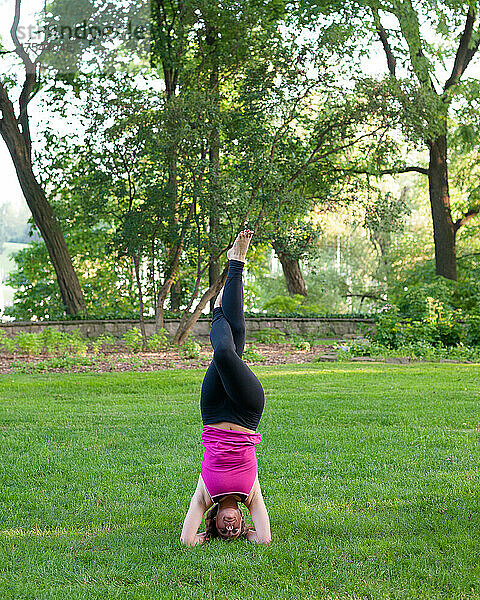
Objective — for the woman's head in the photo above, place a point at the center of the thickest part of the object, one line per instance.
(225, 521)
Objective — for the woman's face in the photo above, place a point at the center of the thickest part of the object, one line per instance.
(229, 522)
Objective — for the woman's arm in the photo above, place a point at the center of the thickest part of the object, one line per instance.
(259, 514)
(194, 516)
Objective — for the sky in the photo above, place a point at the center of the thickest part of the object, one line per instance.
(10, 188)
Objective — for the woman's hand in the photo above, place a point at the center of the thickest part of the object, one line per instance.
(195, 541)
(252, 536)
(193, 519)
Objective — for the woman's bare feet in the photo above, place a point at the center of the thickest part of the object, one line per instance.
(240, 246)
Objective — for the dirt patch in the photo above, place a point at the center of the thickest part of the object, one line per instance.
(117, 360)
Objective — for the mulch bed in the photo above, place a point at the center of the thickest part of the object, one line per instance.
(118, 360)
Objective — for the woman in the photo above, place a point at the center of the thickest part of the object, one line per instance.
(232, 401)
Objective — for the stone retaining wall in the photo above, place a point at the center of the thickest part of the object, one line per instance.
(301, 326)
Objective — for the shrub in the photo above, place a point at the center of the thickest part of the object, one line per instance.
(360, 347)
(190, 348)
(101, 342)
(472, 330)
(291, 304)
(55, 341)
(438, 327)
(417, 300)
(158, 341)
(29, 343)
(268, 335)
(298, 342)
(78, 345)
(251, 354)
(133, 339)
(7, 344)
(283, 304)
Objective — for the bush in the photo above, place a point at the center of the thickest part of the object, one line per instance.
(55, 341)
(251, 354)
(29, 343)
(284, 304)
(472, 330)
(7, 344)
(78, 345)
(438, 327)
(190, 349)
(158, 341)
(360, 347)
(133, 339)
(419, 350)
(298, 342)
(101, 342)
(268, 335)
(296, 304)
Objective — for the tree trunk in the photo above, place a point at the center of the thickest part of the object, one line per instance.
(188, 319)
(292, 272)
(176, 295)
(172, 271)
(41, 210)
(136, 264)
(214, 159)
(443, 226)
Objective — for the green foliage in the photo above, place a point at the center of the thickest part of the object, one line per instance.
(436, 328)
(251, 354)
(133, 339)
(472, 330)
(299, 343)
(101, 343)
(7, 344)
(55, 341)
(190, 348)
(158, 341)
(29, 343)
(107, 290)
(414, 350)
(416, 299)
(51, 364)
(290, 305)
(50, 341)
(78, 346)
(268, 335)
(283, 304)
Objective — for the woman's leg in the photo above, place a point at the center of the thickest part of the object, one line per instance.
(240, 383)
(230, 390)
(232, 303)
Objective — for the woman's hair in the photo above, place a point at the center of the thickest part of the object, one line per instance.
(211, 526)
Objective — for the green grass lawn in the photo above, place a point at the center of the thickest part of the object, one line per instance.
(370, 473)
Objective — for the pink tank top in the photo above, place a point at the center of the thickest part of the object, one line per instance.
(229, 464)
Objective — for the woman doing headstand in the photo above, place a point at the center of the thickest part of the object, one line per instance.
(232, 401)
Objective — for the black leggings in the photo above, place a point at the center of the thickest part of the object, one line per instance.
(230, 390)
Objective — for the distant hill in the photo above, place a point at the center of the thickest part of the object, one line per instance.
(6, 266)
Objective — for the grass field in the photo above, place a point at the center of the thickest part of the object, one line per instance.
(370, 473)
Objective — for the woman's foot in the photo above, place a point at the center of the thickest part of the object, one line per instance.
(240, 246)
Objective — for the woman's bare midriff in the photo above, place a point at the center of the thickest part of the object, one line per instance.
(230, 426)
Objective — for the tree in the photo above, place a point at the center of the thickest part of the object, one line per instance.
(415, 66)
(15, 131)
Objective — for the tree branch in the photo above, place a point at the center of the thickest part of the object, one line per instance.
(422, 170)
(410, 28)
(382, 34)
(473, 212)
(464, 52)
(30, 80)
